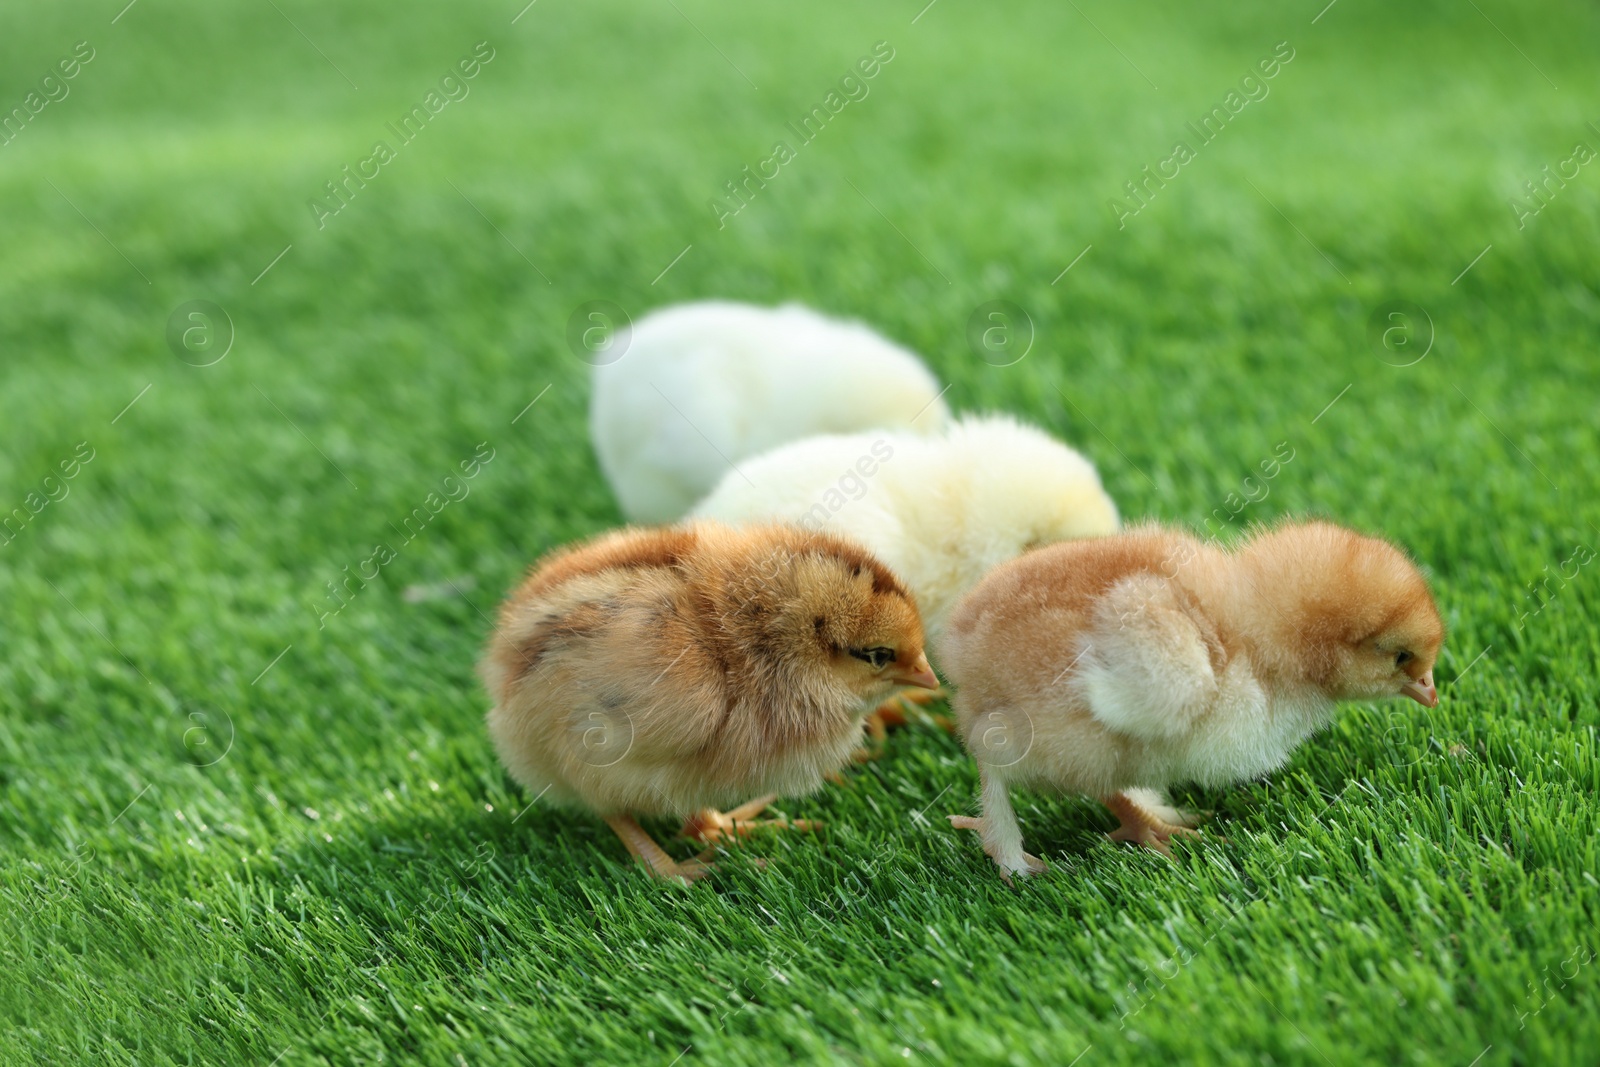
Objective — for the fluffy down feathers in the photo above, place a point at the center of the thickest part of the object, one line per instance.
(708, 384)
(940, 511)
(664, 671)
(1121, 666)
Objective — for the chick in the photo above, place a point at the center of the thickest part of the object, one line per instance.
(1117, 667)
(675, 671)
(703, 386)
(940, 511)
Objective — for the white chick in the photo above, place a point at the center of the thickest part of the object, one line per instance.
(939, 511)
(706, 385)
(1117, 667)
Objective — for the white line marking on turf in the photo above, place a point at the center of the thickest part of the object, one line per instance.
(930, 403)
(531, 803)
(532, 402)
(274, 262)
(674, 262)
(1474, 262)
(1074, 263)
(1332, 402)
(273, 664)
(1469, 666)
(143, 791)
(132, 402)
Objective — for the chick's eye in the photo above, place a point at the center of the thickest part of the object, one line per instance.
(1402, 659)
(877, 658)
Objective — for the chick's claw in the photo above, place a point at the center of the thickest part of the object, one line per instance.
(653, 857)
(1149, 823)
(690, 871)
(1031, 864)
(1155, 837)
(1023, 864)
(709, 825)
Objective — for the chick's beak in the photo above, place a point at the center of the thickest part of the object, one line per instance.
(1422, 691)
(919, 674)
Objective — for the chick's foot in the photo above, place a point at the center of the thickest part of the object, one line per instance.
(1155, 802)
(655, 860)
(709, 825)
(1149, 822)
(1019, 863)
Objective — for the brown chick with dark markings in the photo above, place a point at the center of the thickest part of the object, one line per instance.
(676, 671)
(1120, 666)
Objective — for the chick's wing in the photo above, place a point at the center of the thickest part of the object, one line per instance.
(612, 667)
(1148, 661)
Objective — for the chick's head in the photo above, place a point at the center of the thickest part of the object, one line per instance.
(814, 602)
(1363, 609)
(874, 642)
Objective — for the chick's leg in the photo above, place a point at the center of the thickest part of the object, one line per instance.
(1155, 802)
(1002, 837)
(1147, 821)
(656, 861)
(709, 825)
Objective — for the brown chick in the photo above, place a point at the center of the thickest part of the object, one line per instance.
(676, 671)
(1120, 666)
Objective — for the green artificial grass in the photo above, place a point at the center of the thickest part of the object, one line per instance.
(238, 826)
